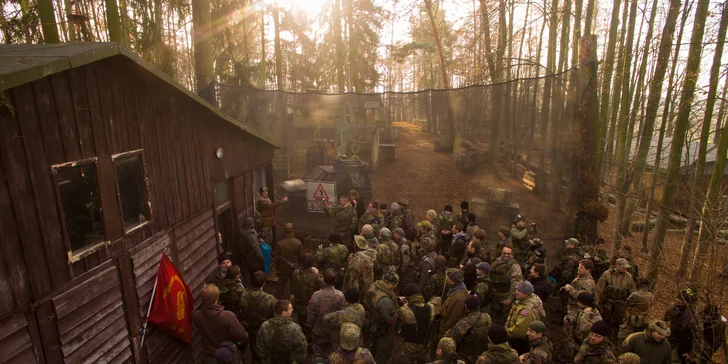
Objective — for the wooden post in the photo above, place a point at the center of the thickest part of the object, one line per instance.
(589, 210)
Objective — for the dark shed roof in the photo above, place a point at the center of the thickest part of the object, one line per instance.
(24, 63)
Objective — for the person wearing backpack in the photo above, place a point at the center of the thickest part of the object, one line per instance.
(349, 351)
(216, 325)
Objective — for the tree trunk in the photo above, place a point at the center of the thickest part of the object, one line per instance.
(697, 199)
(559, 120)
(113, 23)
(443, 70)
(572, 111)
(616, 92)
(263, 66)
(541, 188)
(340, 80)
(202, 44)
(678, 141)
(721, 113)
(48, 21)
(607, 80)
(622, 131)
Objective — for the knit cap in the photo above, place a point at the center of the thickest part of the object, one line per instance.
(524, 287)
(390, 277)
(600, 328)
(483, 267)
(472, 302)
(456, 275)
(222, 257)
(586, 298)
(537, 326)
(497, 334)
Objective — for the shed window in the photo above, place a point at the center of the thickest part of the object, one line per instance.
(79, 194)
(132, 189)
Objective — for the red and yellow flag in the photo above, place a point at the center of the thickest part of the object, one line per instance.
(172, 305)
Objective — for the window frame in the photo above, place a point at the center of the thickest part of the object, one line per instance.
(93, 248)
(147, 196)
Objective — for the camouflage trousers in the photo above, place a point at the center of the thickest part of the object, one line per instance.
(613, 314)
(321, 346)
(416, 353)
(383, 345)
(570, 345)
(499, 310)
(252, 336)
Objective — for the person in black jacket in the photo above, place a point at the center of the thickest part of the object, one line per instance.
(538, 280)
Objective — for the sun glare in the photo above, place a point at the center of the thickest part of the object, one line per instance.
(312, 7)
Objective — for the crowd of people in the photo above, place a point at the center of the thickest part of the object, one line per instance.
(443, 292)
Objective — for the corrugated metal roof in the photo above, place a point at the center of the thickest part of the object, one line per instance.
(24, 63)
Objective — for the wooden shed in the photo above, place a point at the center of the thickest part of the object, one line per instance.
(106, 163)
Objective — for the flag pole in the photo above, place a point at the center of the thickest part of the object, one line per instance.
(151, 302)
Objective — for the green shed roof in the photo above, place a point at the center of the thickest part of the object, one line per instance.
(24, 63)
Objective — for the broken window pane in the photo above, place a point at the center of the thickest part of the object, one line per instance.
(132, 190)
(81, 208)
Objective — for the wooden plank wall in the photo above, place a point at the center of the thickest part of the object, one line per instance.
(15, 341)
(91, 321)
(87, 311)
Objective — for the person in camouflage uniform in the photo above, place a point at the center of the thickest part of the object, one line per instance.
(431, 216)
(381, 305)
(407, 267)
(520, 234)
(613, 289)
(324, 301)
(600, 255)
(388, 256)
(566, 271)
(541, 349)
(627, 253)
(367, 231)
(231, 291)
(463, 214)
(287, 252)
(499, 352)
(447, 352)
(536, 254)
(638, 304)
(266, 208)
(408, 219)
(346, 220)
(686, 326)
(426, 239)
(482, 286)
(458, 246)
(471, 226)
(280, 339)
(505, 274)
(350, 351)
(526, 309)
(395, 217)
(471, 332)
(333, 257)
(384, 210)
(445, 221)
(596, 348)
(582, 283)
(257, 307)
(372, 217)
(304, 282)
(416, 318)
(436, 284)
(504, 237)
(577, 327)
(353, 313)
(360, 266)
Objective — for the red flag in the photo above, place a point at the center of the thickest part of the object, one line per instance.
(172, 305)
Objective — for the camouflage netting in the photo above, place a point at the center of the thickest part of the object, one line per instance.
(296, 120)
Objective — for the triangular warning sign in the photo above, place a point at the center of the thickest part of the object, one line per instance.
(320, 193)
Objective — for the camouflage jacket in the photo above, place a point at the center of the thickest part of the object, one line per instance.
(333, 256)
(280, 340)
(396, 258)
(687, 331)
(376, 221)
(360, 270)
(436, 286)
(360, 356)
(523, 312)
(324, 301)
(471, 335)
(231, 293)
(395, 222)
(346, 221)
(638, 308)
(568, 266)
(408, 221)
(499, 354)
(482, 290)
(257, 307)
(504, 276)
(614, 286)
(304, 283)
(541, 352)
(595, 354)
(428, 243)
(385, 255)
(353, 313)
(582, 323)
(578, 285)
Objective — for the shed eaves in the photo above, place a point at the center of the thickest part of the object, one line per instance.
(24, 63)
